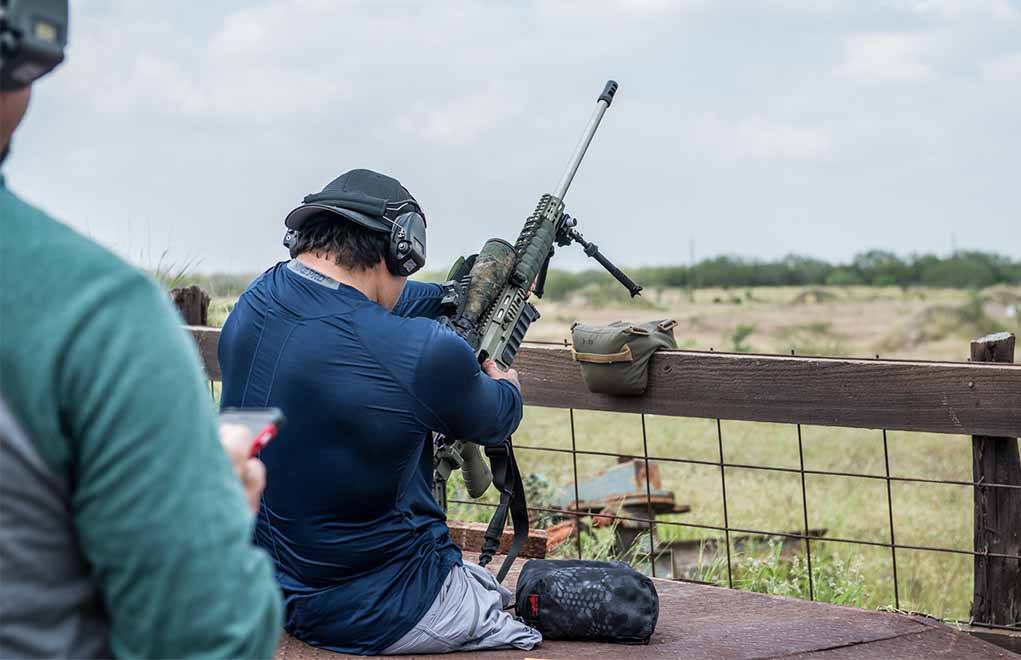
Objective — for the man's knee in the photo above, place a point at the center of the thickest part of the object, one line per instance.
(467, 615)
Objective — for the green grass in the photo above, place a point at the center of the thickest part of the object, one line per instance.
(219, 309)
(814, 338)
(611, 294)
(838, 579)
(737, 340)
(169, 273)
(936, 322)
(847, 507)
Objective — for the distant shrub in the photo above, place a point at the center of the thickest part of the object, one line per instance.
(737, 338)
(844, 277)
(963, 270)
(612, 294)
(938, 322)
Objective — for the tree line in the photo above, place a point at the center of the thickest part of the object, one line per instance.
(877, 268)
(968, 270)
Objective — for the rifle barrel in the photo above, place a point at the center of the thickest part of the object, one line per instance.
(597, 116)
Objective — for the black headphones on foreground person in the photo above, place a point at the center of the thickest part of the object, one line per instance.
(33, 34)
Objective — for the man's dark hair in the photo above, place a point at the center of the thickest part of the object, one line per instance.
(350, 245)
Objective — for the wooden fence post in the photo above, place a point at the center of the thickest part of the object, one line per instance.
(997, 594)
(193, 303)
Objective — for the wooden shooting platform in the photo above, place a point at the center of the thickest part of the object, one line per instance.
(698, 621)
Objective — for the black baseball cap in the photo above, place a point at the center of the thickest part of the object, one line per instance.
(369, 198)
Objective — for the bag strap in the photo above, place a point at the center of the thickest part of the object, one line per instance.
(507, 480)
(598, 358)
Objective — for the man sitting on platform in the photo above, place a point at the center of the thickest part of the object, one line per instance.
(348, 349)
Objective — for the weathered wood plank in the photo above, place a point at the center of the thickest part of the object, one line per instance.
(193, 305)
(698, 622)
(470, 536)
(1005, 639)
(940, 397)
(207, 340)
(997, 587)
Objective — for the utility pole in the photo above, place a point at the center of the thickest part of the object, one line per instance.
(691, 270)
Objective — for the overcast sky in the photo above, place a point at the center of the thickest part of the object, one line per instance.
(822, 127)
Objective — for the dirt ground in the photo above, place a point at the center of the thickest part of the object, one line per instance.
(932, 324)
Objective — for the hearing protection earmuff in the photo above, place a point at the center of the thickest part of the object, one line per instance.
(405, 253)
(33, 34)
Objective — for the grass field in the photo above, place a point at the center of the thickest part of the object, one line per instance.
(845, 321)
(933, 324)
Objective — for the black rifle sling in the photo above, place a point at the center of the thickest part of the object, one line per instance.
(507, 480)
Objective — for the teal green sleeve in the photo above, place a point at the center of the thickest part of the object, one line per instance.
(161, 516)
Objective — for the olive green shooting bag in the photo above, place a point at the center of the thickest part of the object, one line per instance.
(614, 358)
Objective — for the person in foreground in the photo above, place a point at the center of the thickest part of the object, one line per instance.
(123, 529)
(350, 351)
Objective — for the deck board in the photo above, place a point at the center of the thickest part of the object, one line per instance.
(703, 622)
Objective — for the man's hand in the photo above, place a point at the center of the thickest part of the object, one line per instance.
(494, 371)
(236, 441)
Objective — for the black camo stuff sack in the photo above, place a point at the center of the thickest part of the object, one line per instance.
(587, 601)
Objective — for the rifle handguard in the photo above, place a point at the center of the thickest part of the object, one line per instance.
(477, 475)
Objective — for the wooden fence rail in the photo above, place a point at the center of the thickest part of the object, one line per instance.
(966, 398)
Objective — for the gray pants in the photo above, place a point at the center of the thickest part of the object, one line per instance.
(467, 615)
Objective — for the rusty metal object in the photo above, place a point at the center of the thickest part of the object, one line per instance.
(561, 533)
(472, 534)
(620, 498)
(621, 487)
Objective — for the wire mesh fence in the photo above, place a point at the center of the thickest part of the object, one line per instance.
(875, 397)
(805, 537)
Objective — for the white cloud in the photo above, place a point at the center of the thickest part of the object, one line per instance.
(759, 138)
(811, 7)
(462, 120)
(165, 86)
(243, 33)
(887, 57)
(1002, 69)
(658, 6)
(958, 9)
(617, 9)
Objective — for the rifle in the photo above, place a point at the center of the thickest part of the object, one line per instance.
(490, 292)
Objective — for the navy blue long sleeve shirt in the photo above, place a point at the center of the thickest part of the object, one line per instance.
(360, 545)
